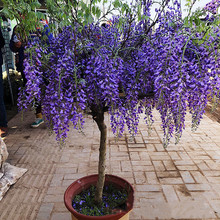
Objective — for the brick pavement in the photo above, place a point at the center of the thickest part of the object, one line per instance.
(180, 182)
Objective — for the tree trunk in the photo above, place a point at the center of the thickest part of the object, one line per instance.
(99, 118)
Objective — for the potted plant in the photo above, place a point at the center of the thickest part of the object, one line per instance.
(126, 67)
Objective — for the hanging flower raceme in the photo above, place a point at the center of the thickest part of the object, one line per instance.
(126, 70)
(212, 6)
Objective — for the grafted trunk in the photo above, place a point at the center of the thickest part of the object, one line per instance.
(99, 118)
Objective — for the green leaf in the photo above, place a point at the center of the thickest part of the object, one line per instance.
(35, 5)
(120, 22)
(83, 5)
(197, 21)
(6, 13)
(90, 19)
(186, 21)
(94, 10)
(87, 11)
(123, 9)
(116, 3)
(98, 12)
(139, 12)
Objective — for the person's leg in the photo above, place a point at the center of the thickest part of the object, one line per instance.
(38, 111)
(39, 118)
(3, 117)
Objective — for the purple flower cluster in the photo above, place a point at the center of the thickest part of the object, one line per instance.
(126, 70)
(212, 6)
(113, 199)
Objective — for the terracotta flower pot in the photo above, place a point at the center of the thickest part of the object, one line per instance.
(84, 183)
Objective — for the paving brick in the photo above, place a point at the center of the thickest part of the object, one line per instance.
(138, 140)
(57, 180)
(191, 210)
(67, 182)
(182, 168)
(135, 214)
(45, 211)
(134, 156)
(199, 177)
(187, 177)
(156, 210)
(136, 146)
(148, 188)
(171, 181)
(213, 165)
(215, 204)
(184, 156)
(56, 190)
(120, 158)
(146, 197)
(145, 133)
(126, 166)
(12, 212)
(42, 194)
(215, 179)
(61, 215)
(158, 165)
(168, 174)
(151, 178)
(152, 140)
(21, 150)
(119, 154)
(202, 157)
(72, 177)
(202, 165)
(125, 175)
(23, 212)
(150, 147)
(144, 156)
(53, 198)
(169, 165)
(159, 147)
(139, 177)
(133, 149)
(123, 147)
(34, 212)
(31, 195)
(5, 210)
(143, 168)
(174, 155)
(184, 162)
(198, 187)
(59, 207)
(64, 170)
(182, 192)
(170, 193)
(175, 147)
(141, 163)
(204, 195)
(159, 155)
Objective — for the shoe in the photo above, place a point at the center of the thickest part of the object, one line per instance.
(37, 122)
(3, 131)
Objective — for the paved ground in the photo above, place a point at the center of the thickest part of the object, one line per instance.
(180, 182)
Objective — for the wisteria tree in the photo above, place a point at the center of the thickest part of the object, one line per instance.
(130, 59)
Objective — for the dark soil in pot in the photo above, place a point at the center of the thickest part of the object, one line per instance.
(113, 201)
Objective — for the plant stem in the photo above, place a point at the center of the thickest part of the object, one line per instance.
(99, 119)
